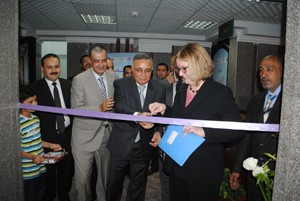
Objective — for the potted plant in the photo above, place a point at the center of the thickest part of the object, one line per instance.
(226, 193)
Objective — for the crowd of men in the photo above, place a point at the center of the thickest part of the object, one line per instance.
(102, 152)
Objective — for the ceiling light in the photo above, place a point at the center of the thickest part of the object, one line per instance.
(99, 19)
(198, 24)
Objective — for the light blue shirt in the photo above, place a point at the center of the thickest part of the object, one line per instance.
(276, 92)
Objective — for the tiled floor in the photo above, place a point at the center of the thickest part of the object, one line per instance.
(152, 191)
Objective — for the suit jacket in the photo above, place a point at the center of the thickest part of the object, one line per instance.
(212, 102)
(87, 133)
(48, 120)
(127, 101)
(255, 144)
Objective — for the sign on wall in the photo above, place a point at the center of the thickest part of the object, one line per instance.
(121, 60)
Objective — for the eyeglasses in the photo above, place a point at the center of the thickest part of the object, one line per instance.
(183, 70)
(140, 70)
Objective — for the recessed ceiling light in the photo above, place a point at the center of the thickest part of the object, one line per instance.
(198, 24)
(99, 19)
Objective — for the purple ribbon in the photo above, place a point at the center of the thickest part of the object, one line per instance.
(160, 120)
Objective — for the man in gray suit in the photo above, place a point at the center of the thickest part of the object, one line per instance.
(92, 90)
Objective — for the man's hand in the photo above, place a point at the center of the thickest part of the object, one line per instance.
(170, 77)
(145, 125)
(234, 180)
(155, 139)
(107, 105)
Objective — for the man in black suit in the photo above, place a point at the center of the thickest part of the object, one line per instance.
(256, 144)
(131, 143)
(58, 176)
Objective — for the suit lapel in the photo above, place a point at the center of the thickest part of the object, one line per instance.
(65, 93)
(261, 104)
(201, 94)
(149, 96)
(135, 94)
(109, 80)
(47, 93)
(93, 83)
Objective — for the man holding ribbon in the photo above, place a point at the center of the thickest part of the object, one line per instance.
(55, 128)
(130, 142)
(92, 90)
(262, 108)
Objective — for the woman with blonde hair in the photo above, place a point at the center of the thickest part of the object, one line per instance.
(200, 97)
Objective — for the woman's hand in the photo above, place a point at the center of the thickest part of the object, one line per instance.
(193, 129)
(156, 107)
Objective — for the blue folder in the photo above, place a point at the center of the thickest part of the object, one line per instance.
(177, 147)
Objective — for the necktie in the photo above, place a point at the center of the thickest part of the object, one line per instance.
(102, 87)
(268, 107)
(60, 120)
(142, 99)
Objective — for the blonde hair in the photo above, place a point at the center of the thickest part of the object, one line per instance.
(199, 62)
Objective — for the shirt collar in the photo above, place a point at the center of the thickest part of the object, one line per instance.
(276, 92)
(97, 76)
(49, 82)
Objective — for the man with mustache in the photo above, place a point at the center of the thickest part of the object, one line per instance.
(261, 110)
(55, 128)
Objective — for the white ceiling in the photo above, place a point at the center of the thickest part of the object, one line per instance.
(154, 16)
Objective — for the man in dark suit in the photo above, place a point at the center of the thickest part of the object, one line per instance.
(58, 176)
(130, 143)
(256, 144)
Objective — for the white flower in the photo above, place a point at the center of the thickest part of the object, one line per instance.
(258, 170)
(250, 163)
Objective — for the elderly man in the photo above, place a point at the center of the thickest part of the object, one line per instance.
(262, 108)
(92, 90)
(130, 142)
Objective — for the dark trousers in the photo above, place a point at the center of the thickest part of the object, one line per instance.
(181, 189)
(34, 189)
(154, 160)
(59, 176)
(253, 192)
(138, 176)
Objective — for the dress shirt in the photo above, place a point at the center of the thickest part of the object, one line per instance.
(277, 91)
(63, 105)
(104, 80)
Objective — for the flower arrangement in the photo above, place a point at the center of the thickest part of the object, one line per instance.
(264, 176)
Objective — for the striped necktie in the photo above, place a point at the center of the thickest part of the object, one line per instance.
(102, 87)
(268, 107)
